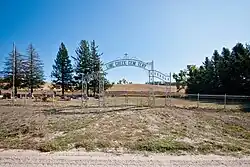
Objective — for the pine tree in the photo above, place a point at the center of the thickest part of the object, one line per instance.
(62, 69)
(14, 64)
(83, 62)
(225, 73)
(96, 65)
(34, 74)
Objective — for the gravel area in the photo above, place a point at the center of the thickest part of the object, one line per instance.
(19, 158)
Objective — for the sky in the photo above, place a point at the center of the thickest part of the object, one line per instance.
(172, 33)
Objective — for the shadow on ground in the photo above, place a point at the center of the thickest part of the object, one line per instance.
(66, 111)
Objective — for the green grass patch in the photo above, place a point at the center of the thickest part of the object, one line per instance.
(161, 145)
(236, 131)
(58, 144)
(88, 141)
(69, 125)
(212, 147)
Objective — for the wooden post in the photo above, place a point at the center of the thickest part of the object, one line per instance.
(225, 101)
(198, 100)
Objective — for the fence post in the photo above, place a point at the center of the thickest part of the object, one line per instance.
(225, 101)
(115, 100)
(153, 98)
(198, 100)
(137, 101)
(25, 98)
(141, 99)
(126, 98)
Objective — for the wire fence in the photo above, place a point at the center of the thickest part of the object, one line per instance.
(213, 101)
(136, 99)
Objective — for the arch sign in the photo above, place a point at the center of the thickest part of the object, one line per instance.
(149, 66)
(133, 62)
(125, 62)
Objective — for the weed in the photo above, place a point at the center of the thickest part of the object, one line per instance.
(162, 145)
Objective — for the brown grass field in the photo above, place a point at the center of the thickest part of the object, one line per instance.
(65, 125)
(127, 123)
(129, 88)
(142, 87)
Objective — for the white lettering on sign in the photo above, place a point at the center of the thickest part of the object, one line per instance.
(118, 63)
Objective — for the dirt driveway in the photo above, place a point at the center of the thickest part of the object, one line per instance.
(15, 158)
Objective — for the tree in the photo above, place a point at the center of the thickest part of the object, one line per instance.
(87, 63)
(14, 65)
(124, 81)
(180, 80)
(62, 69)
(34, 74)
(227, 72)
(83, 62)
(96, 65)
(107, 84)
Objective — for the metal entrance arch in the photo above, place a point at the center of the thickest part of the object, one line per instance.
(148, 66)
(134, 62)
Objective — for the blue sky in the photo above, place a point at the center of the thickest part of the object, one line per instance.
(172, 33)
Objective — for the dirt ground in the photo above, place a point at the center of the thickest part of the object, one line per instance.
(21, 158)
(46, 127)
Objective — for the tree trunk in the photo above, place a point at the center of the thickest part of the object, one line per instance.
(62, 84)
(15, 91)
(31, 90)
(31, 87)
(94, 88)
(62, 90)
(87, 89)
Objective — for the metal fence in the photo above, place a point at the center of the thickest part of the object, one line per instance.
(212, 101)
(138, 99)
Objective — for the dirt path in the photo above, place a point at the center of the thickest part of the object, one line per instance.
(16, 158)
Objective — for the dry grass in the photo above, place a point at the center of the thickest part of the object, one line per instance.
(126, 129)
(129, 88)
(142, 87)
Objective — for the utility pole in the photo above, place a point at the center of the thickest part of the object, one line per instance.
(14, 71)
(82, 90)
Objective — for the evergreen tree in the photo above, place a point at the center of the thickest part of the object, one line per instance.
(96, 66)
(62, 69)
(228, 72)
(14, 64)
(88, 63)
(34, 74)
(83, 64)
(217, 85)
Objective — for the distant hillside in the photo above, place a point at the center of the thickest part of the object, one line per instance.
(142, 87)
(117, 89)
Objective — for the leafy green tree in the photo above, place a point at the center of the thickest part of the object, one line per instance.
(14, 65)
(34, 74)
(62, 69)
(180, 79)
